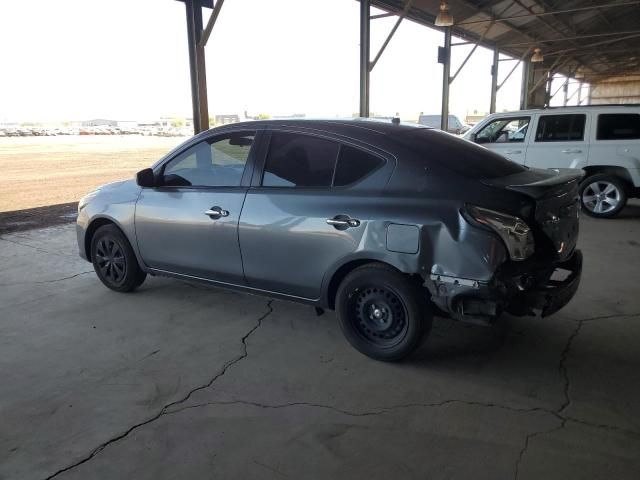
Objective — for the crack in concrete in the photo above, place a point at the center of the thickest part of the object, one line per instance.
(557, 413)
(562, 366)
(608, 317)
(163, 410)
(365, 413)
(564, 372)
(562, 369)
(41, 282)
(41, 250)
(527, 439)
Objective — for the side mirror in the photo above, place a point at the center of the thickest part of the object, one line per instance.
(472, 137)
(146, 178)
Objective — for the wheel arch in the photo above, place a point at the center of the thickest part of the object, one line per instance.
(94, 225)
(345, 269)
(620, 172)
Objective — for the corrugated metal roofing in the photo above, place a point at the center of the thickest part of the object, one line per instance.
(598, 42)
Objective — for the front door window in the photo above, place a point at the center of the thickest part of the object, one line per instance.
(216, 163)
(504, 130)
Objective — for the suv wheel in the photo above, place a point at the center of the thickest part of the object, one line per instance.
(114, 261)
(602, 195)
(383, 313)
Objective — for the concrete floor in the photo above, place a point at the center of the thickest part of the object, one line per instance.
(183, 381)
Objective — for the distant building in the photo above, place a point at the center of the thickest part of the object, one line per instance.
(224, 119)
(127, 123)
(287, 117)
(475, 117)
(99, 122)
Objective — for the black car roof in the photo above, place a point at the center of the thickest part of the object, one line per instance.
(350, 127)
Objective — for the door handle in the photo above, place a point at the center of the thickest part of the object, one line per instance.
(217, 212)
(512, 151)
(572, 150)
(342, 222)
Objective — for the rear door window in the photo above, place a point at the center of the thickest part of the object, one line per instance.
(561, 128)
(297, 160)
(618, 126)
(354, 164)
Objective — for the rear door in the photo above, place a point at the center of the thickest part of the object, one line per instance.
(560, 141)
(300, 217)
(617, 141)
(507, 136)
(189, 223)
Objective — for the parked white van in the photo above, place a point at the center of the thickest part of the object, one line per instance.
(602, 140)
(455, 126)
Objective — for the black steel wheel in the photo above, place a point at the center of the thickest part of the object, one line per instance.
(382, 312)
(378, 315)
(114, 261)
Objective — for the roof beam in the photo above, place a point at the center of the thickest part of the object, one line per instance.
(576, 37)
(206, 33)
(403, 14)
(551, 13)
(472, 6)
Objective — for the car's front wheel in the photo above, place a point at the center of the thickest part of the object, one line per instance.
(382, 312)
(603, 196)
(114, 261)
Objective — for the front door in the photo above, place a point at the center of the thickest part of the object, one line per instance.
(506, 136)
(559, 142)
(189, 223)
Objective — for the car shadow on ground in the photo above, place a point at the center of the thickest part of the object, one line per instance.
(631, 211)
(454, 340)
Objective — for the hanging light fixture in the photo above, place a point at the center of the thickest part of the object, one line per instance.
(444, 18)
(537, 56)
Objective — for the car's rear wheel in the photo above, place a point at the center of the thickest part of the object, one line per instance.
(114, 261)
(603, 196)
(382, 312)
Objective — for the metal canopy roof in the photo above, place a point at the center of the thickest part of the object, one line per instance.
(599, 39)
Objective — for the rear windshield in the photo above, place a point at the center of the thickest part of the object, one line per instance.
(460, 156)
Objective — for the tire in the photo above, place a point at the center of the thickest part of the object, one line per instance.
(114, 261)
(603, 195)
(382, 312)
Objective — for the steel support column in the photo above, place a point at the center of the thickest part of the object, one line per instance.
(364, 57)
(191, 6)
(580, 93)
(201, 68)
(494, 79)
(524, 85)
(548, 96)
(446, 79)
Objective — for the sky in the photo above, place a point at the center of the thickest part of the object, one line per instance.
(128, 60)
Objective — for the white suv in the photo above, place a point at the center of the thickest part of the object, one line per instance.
(602, 140)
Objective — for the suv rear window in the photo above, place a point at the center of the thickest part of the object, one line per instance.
(560, 128)
(618, 126)
(296, 160)
(353, 165)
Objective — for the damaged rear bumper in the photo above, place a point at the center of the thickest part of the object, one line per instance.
(527, 288)
(550, 295)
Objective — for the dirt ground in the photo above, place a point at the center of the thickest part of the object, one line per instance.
(39, 171)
